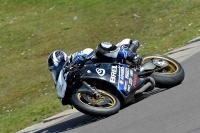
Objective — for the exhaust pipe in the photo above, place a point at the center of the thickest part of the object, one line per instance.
(143, 88)
(146, 86)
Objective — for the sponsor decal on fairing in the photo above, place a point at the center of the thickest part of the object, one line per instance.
(130, 81)
(100, 71)
(121, 78)
(131, 73)
(122, 73)
(113, 74)
(127, 86)
(127, 73)
(134, 80)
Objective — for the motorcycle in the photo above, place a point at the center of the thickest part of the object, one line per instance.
(100, 88)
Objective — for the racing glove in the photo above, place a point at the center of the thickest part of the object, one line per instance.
(79, 59)
(137, 61)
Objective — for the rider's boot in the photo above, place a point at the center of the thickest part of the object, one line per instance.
(134, 45)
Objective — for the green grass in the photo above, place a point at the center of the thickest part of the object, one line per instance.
(31, 29)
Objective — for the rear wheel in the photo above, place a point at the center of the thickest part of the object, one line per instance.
(169, 76)
(107, 104)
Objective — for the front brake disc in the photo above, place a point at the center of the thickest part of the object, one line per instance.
(103, 100)
(160, 62)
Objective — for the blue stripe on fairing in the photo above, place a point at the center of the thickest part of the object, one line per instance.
(121, 80)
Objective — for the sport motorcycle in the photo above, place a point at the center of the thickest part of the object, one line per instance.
(101, 88)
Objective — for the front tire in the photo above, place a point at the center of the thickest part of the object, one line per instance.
(106, 105)
(170, 76)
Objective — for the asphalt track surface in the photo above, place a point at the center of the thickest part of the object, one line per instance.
(176, 110)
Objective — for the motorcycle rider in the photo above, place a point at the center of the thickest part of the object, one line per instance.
(125, 50)
(57, 59)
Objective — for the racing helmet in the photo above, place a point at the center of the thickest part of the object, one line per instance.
(56, 57)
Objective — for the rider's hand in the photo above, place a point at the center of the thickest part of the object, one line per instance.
(138, 61)
(78, 60)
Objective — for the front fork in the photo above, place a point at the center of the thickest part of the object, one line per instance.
(85, 89)
(92, 91)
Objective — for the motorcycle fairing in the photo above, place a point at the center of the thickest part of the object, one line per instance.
(55, 71)
(125, 79)
(128, 80)
(61, 85)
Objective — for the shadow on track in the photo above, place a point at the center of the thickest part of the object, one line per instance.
(145, 95)
(69, 124)
(81, 120)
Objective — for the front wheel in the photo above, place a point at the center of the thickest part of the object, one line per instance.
(107, 104)
(169, 76)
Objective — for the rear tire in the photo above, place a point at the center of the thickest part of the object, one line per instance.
(107, 105)
(173, 75)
